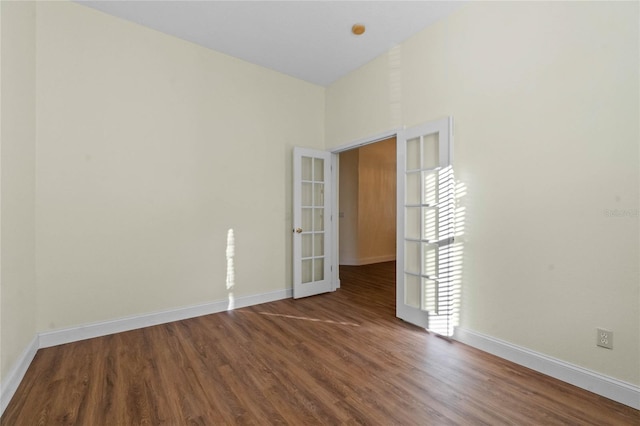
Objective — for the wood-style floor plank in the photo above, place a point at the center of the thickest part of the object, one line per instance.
(338, 358)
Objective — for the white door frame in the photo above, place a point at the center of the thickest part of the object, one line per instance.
(397, 133)
(335, 225)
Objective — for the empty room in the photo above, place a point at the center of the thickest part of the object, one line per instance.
(185, 237)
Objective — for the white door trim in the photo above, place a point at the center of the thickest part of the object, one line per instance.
(335, 163)
(335, 222)
(365, 141)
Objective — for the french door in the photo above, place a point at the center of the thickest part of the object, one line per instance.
(425, 222)
(312, 245)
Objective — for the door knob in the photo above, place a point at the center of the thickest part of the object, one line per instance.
(298, 230)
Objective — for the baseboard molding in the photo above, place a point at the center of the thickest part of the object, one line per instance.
(617, 390)
(103, 328)
(608, 387)
(16, 374)
(367, 260)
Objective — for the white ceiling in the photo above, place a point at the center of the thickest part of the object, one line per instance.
(310, 40)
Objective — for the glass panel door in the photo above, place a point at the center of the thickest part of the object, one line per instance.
(424, 212)
(311, 222)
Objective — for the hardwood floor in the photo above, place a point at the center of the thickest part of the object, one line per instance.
(339, 358)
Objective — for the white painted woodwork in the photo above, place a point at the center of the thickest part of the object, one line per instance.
(312, 231)
(420, 157)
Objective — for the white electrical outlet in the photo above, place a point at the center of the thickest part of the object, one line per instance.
(604, 338)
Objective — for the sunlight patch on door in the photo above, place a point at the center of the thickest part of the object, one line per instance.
(443, 298)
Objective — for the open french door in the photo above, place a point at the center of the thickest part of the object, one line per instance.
(312, 245)
(425, 222)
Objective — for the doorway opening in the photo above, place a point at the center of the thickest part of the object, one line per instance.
(427, 223)
(367, 204)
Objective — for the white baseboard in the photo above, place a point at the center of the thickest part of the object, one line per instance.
(16, 374)
(103, 328)
(359, 261)
(617, 390)
(608, 387)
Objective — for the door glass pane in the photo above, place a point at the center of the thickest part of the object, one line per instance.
(306, 168)
(318, 194)
(430, 188)
(318, 245)
(306, 197)
(446, 222)
(425, 209)
(318, 170)
(412, 223)
(413, 188)
(307, 271)
(318, 219)
(412, 257)
(413, 154)
(307, 245)
(412, 290)
(430, 151)
(318, 269)
(430, 265)
(430, 224)
(312, 245)
(307, 217)
(430, 295)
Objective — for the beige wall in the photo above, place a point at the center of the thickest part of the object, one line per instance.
(545, 102)
(149, 150)
(17, 194)
(348, 207)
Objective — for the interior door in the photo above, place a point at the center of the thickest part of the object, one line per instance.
(311, 222)
(425, 220)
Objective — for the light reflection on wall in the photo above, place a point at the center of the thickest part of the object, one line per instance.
(230, 268)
